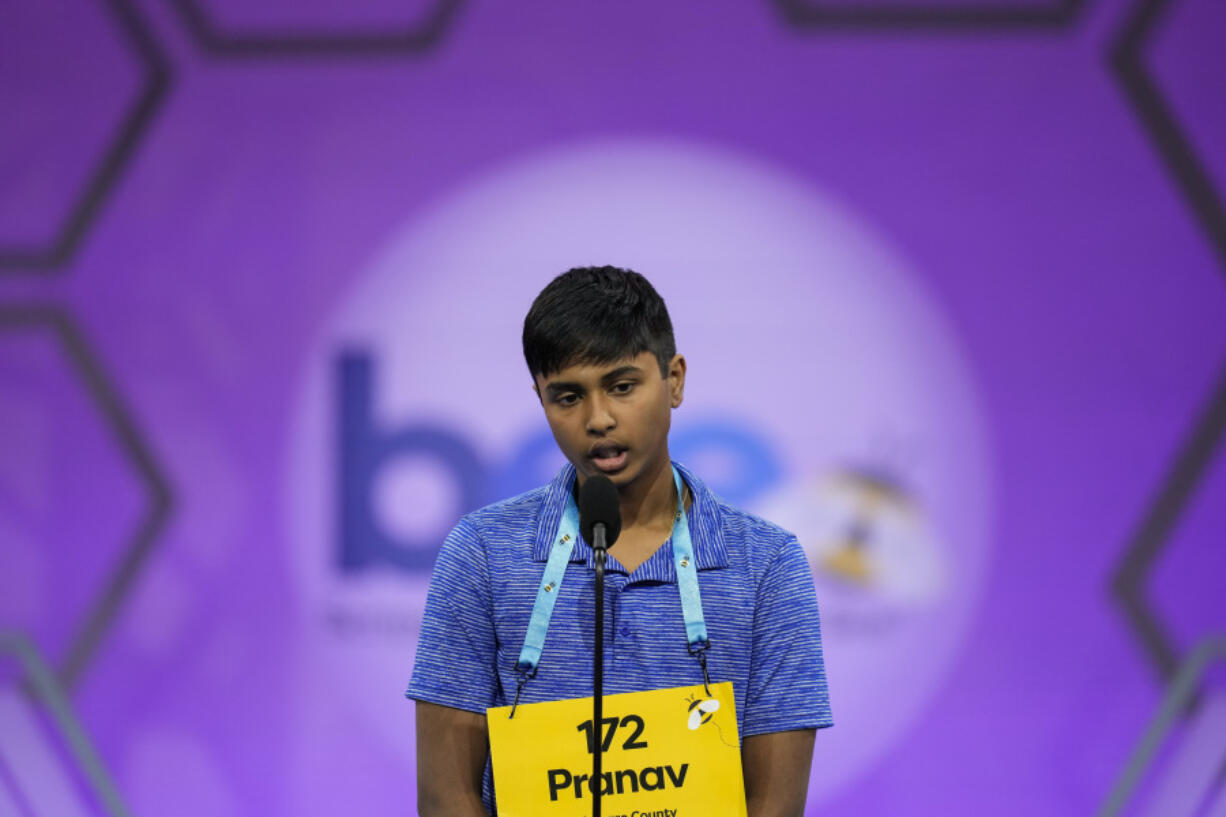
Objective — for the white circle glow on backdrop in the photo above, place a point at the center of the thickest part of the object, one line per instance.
(825, 391)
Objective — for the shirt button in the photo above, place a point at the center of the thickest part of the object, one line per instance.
(626, 632)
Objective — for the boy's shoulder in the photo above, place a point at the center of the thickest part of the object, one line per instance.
(758, 538)
(751, 525)
(521, 509)
(744, 537)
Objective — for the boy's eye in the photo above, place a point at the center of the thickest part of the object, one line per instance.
(566, 399)
(623, 388)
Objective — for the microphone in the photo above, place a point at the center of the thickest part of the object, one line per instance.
(600, 521)
(599, 508)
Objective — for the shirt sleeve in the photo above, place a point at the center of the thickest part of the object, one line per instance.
(787, 677)
(455, 663)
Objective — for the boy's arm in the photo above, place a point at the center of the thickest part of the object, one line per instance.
(452, 745)
(776, 768)
(454, 679)
(787, 693)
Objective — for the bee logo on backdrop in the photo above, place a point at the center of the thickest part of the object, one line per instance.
(824, 393)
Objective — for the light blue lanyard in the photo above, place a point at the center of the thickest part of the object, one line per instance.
(555, 571)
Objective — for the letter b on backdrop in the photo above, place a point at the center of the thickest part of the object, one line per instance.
(365, 450)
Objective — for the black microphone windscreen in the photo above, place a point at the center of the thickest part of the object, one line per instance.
(598, 502)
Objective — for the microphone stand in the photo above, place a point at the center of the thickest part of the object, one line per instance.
(599, 550)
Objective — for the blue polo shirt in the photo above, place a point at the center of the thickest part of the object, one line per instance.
(757, 597)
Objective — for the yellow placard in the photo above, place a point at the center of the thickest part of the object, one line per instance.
(667, 753)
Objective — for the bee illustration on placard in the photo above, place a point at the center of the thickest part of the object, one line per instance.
(701, 711)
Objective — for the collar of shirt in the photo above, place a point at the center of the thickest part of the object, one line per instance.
(706, 532)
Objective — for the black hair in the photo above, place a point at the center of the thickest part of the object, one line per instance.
(596, 315)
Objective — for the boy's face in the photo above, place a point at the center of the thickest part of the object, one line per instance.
(613, 418)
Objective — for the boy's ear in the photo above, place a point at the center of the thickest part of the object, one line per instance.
(537, 390)
(676, 380)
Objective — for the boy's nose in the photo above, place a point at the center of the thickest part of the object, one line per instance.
(600, 420)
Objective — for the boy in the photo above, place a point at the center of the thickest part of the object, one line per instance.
(599, 346)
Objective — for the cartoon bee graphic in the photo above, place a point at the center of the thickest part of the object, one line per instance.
(701, 710)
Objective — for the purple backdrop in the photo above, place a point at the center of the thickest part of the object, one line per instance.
(973, 251)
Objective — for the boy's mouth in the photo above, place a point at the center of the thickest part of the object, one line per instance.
(608, 457)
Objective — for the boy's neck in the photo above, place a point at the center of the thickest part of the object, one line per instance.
(651, 500)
